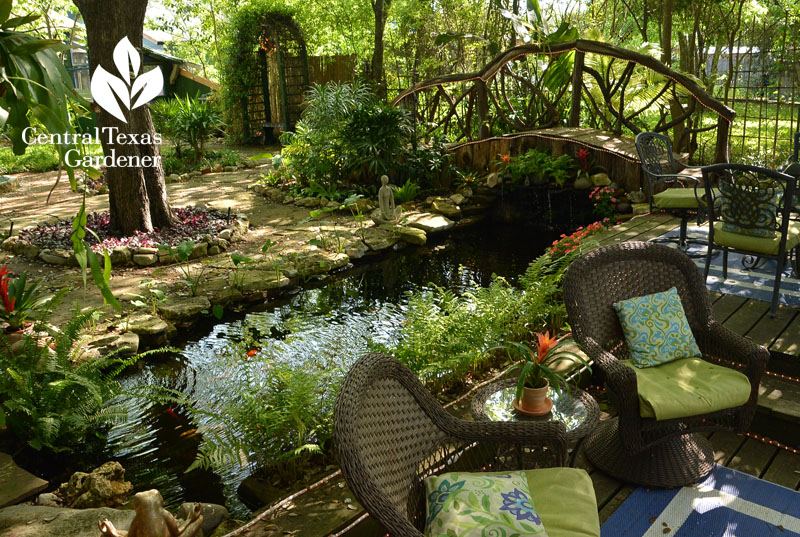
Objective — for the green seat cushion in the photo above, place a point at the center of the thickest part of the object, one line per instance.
(564, 498)
(466, 504)
(656, 329)
(759, 245)
(679, 198)
(688, 387)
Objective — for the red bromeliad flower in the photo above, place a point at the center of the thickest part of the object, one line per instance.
(583, 158)
(545, 344)
(505, 158)
(8, 302)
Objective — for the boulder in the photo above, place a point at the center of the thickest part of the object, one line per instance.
(127, 343)
(145, 325)
(39, 521)
(229, 169)
(600, 179)
(103, 487)
(54, 257)
(320, 261)
(145, 260)
(310, 203)
(8, 184)
(121, 256)
(636, 196)
(225, 234)
(251, 281)
(183, 308)
(465, 191)
(582, 183)
(10, 244)
(27, 249)
(355, 248)
(379, 238)
(214, 249)
(641, 208)
(16, 484)
(275, 195)
(446, 208)
(287, 199)
(146, 250)
(430, 223)
(363, 205)
(624, 207)
(213, 515)
(493, 179)
(172, 178)
(458, 199)
(48, 499)
(200, 250)
(412, 235)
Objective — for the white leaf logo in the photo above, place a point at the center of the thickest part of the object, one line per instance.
(109, 90)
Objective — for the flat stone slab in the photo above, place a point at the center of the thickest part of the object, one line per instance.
(180, 309)
(429, 223)
(16, 484)
(40, 521)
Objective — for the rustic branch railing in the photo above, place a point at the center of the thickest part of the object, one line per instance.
(579, 83)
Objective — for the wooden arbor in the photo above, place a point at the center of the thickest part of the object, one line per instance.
(568, 87)
(279, 65)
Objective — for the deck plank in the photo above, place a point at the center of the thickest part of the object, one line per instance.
(783, 470)
(789, 340)
(753, 457)
(725, 446)
(767, 330)
(746, 317)
(727, 306)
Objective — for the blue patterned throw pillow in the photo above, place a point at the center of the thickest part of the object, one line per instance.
(656, 328)
(479, 504)
(744, 206)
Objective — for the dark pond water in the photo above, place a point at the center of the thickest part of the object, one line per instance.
(336, 319)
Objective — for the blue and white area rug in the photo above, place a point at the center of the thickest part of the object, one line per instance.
(726, 504)
(756, 283)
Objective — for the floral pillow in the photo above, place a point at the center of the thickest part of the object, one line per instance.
(475, 505)
(656, 329)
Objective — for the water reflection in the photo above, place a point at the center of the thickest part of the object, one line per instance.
(331, 324)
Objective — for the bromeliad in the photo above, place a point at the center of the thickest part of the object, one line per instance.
(20, 300)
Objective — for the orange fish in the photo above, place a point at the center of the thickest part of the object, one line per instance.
(252, 353)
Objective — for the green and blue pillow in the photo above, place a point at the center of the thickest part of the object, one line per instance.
(476, 505)
(656, 329)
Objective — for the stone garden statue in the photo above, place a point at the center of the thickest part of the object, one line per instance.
(152, 520)
(388, 212)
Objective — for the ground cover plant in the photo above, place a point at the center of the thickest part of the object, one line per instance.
(191, 224)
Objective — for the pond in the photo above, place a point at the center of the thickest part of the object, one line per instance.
(335, 319)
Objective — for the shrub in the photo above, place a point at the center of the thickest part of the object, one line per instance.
(190, 121)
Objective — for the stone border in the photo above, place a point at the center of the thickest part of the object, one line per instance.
(123, 256)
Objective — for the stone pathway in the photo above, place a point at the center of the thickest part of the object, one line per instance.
(16, 484)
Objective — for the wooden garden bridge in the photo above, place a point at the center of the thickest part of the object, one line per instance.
(581, 92)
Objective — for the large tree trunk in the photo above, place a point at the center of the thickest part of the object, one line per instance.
(137, 195)
(381, 10)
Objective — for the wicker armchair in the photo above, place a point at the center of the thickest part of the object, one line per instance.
(640, 450)
(390, 433)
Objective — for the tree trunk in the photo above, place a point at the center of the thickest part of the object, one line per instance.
(666, 32)
(381, 10)
(137, 195)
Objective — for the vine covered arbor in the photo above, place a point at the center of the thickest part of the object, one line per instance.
(267, 73)
(587, 92)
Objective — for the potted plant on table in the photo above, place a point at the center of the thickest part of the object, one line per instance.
(537, 373)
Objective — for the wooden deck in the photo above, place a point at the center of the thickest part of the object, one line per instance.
(778, 414)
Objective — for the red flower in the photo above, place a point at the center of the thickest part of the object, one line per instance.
(8, 302)
(545, 344)
(505, 158)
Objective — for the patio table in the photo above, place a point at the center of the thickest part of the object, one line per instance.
(577, 410)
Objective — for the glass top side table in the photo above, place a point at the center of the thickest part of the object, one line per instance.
(578, 410)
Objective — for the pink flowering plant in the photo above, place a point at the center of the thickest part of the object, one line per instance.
(604, 204)
(567, 244)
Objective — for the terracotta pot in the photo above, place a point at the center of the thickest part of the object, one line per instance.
(534, 401)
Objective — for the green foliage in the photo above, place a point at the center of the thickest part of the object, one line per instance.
(540, 168)
(20, 300)
(190, 121)
(186, 163)
(34, 84)
(408, 192)
(280, 421)
(165, 114)
(375, 138)
(45, 400)
(428, 164)
(37, 158)
(191, 277)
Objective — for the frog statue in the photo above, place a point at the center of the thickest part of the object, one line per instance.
(152, 520)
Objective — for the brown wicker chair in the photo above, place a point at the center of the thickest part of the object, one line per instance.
(643, 450)
(390, 433)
